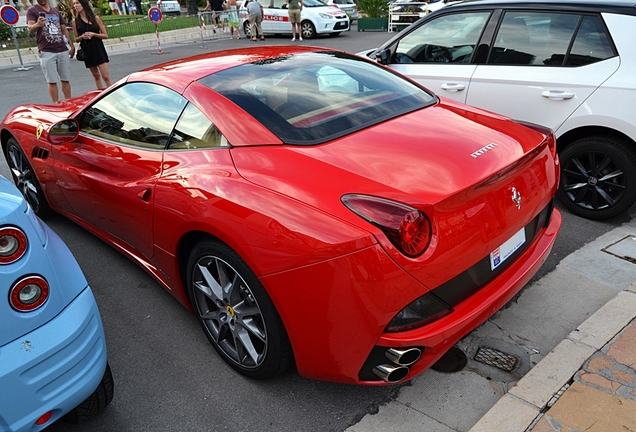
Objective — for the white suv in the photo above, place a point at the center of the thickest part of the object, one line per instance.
(568, 65)
(315, 18)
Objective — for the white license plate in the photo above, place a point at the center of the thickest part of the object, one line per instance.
(504, 251)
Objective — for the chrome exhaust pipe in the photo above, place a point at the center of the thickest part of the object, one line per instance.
(403, 357)
(391, 374)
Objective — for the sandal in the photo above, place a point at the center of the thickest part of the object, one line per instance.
(262, 37)
(254, 39)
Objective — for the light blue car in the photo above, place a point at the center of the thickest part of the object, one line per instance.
(52, 344)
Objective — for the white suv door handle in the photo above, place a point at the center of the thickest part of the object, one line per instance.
(452, 87)
(557, 95)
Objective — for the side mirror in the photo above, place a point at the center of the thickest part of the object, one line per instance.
(383, 57)
(64, 131)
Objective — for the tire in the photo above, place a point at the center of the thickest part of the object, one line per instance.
(25, 179)
(239, 318)
(598, 177)
(308, 30)
(96, 402)
(247, 29)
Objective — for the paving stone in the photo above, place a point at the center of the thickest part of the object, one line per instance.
(599, 363)
(623, 376)
(585, 408)
(623, 349)
(600, 381)
(543, 426)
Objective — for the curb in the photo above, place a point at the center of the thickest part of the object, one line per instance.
(521, 407)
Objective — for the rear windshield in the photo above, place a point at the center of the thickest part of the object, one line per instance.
(311, 98)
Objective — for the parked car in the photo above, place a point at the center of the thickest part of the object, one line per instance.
(169, 7)
(564, 64)
(316, 18)
(52, 345)
(349, 6)
(405, 12)
(291, 198)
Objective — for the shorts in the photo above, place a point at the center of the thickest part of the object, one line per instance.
(113, 5)
(294, 16)
(56, 66)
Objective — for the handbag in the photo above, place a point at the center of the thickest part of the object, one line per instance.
(80, 55)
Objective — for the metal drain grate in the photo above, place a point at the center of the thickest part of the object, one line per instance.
(496, 358)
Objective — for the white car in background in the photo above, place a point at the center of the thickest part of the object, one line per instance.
(567, 65)
(169, 7)
(349, 6)
(316, 18)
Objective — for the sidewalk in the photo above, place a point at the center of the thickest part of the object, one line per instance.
(119, 45)
(587, 383)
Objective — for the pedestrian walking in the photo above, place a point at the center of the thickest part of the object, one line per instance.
(216, 7)
(294, 9)
(233, 19)
(90, 32)
(50, 30)
(255, 12)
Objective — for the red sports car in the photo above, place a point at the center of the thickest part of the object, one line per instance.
(310, 206)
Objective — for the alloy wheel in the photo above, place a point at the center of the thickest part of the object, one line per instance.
(24, 177)
(598, 177)
(230, 312)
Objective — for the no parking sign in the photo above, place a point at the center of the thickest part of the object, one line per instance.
(155, 15)
(10, 17)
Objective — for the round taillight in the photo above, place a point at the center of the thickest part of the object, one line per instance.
(409, 229)
(29, 293)
(13, 244)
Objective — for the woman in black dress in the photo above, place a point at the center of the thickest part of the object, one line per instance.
(89, 31)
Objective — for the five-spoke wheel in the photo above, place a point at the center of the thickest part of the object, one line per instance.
(25, 179)
(236, 313)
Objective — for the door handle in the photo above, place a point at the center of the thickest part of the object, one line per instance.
(557, 95)
(453, 87)
(144, 195)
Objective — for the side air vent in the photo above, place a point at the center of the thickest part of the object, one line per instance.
(40, 153)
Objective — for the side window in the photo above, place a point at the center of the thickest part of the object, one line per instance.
(450, 38)
(533, 38)
(138, 114)
(278, 4)
(195, 131)
(591, 43)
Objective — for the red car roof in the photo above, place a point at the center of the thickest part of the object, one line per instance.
(180, 73)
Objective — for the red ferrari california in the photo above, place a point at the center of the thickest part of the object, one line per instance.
(311, 207)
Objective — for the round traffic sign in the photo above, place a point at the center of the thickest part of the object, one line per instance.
(155, 15)
(9, 15)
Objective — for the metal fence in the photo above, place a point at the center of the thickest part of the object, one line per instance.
(121, 27)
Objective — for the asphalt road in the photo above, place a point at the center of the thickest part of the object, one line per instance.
(167, 375)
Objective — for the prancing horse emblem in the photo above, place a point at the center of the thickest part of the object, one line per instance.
(516, 198)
